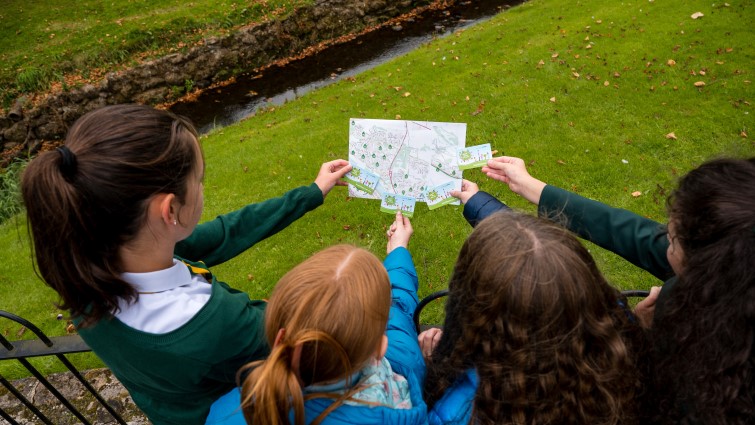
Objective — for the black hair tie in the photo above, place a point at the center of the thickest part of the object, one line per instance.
(67, 163)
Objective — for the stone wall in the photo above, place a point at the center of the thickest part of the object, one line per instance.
(101, 379)
(25, 127)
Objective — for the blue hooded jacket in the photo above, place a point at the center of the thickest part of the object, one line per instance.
(403, 354)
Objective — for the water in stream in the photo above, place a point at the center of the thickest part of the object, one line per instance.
(279, 84)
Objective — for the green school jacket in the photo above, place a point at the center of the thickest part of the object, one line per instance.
(176, 376)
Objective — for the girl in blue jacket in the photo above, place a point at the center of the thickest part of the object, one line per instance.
(345, 350)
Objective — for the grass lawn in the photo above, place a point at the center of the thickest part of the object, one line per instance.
(603, 98)
(68, 41)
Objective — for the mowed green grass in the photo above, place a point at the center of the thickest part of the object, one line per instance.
(598, 98)
(67, 41)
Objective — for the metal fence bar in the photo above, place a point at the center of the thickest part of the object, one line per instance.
(91, 389)
(45, 346)
(7, 417)
(444, 292)
(25, 401)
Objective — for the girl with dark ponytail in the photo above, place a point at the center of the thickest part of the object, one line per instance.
(113, 217)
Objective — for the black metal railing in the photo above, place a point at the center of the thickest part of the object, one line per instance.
(42, 346)
(444, 292)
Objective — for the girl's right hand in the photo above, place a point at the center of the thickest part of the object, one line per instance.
(399, 233)
(513, 172)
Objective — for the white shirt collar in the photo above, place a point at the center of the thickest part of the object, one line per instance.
(161, 280)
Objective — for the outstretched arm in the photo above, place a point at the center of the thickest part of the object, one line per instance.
(403, 349)
(228, 235)
(513, 172)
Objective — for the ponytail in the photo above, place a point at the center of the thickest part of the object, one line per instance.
(334, 308)
(89, 197)
(274, 387)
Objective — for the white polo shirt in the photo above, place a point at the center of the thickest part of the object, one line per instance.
(168, 299)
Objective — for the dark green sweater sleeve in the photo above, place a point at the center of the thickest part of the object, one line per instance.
(228, 235)
(637, 239)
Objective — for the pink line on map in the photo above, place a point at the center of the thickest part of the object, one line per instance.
(390, 167)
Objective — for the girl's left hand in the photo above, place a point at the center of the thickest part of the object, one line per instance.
(399, 233)
(428, 340)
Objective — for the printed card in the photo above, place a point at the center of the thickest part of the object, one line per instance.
(441, 195)
(474, 156)
(391, 202)
(362, 178)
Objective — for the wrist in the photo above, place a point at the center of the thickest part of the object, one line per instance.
(532, 190)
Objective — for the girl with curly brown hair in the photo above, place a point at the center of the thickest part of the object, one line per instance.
(533, 333)
(704, 325)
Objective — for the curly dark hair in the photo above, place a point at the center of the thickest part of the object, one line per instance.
(549, 338)
(703, 334)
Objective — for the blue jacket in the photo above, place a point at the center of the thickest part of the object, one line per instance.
(455, 407)
(403, 353)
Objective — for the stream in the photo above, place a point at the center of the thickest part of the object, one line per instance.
(222, 106)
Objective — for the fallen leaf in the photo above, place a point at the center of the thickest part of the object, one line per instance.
(743, 134)
(700, 84)
(555, 55)
(250, 277)
(575, 74)
(346, 227)
(671, 136)
(541, 63)
(553, 99)
(589, 46)
(701, 72)
(606, 83)
(697, 15)
(480, 108)
(671, 62)
(624, 161)
(398, 117)
(467, 98)
(561, 162)
(636, 193)
(407, 94)
(616, 75)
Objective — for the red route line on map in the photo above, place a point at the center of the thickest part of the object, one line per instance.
(390, 167)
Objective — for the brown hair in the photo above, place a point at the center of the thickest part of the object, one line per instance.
(530, 312)
(88, 198)
(334, 309)
(704, 333)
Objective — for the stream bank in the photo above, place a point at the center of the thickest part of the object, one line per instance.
(26, 129)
